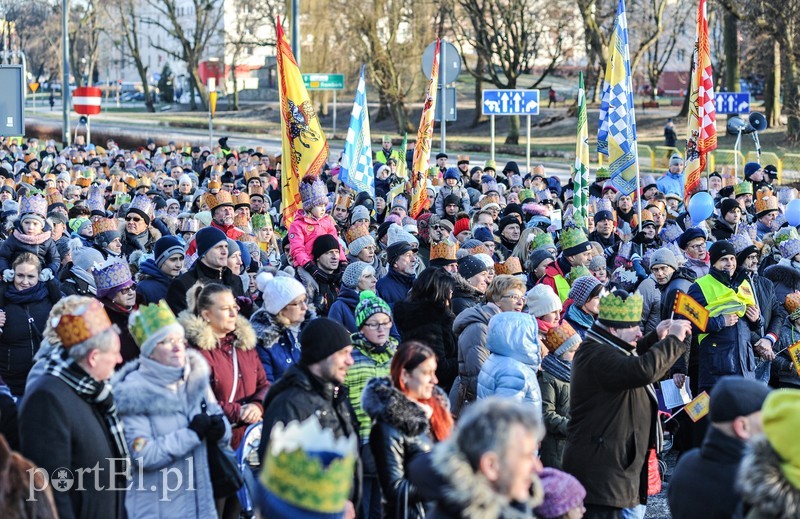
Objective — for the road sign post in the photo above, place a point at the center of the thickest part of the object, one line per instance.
(34, 86)
(317, 81)
(528, 147)
(491, 131)
(511, 102)
(449, 69)
(12, 110)
(212, 105)
(732, 102)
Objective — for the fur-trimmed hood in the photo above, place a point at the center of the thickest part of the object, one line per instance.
(471, 493)
(763, 485)
(200, 334)
(381, 401)
(783, 274)
(268, 331)
(136, 393)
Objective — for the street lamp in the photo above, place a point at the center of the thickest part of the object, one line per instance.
(65, 133)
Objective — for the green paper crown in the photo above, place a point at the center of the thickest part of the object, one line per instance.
(260, 221)
(743, 188)
(621, 311)
(786, 233)
(577, 272)
(543, 240)
(525, 194)
(149, 319)
(572, 237)
(602, 173)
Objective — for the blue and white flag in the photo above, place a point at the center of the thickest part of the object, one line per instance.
(617, 119)
(356, 166)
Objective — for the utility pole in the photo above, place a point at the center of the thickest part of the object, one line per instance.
(65, 133)
(296, 30)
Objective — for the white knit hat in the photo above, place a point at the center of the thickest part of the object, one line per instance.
(542, 300)
(279, 292)
(398, 234)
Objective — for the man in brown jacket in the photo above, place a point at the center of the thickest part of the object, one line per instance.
(614, 421)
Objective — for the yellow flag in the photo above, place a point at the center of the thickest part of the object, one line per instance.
(698, 408)
(422, 151)
(686, 306)
(305, 148)
(794, 354)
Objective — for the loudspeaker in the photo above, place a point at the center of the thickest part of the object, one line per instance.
(736, 124)
(758, 121)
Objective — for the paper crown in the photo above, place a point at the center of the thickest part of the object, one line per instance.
(511, 267)
(96, 201)
(578, 271)
(255, 191)
(144, 182)
(792, 305)
(490, 164)
(790, 248)
(787, 194)
(190, 225)
(53, 196)
(561, 339)
(356, 231)
(313, 192)
(142, 204)
(104, 225)
(214, 183)
(573, 239)
(463, 158)
(149, 319)
(130, 180)
(251, 174)
(222, 198)
(307, 471)
(765, 202)
(344, 201)
(544, 240)
(603, 204)
(621, 312)
(602, 173)
(785, 233)
(657, 204)
(670, 233)
(242, 222)
(261, 221)
(743, 188)
(111, 274)
(83, 323)
(241, 199)
(526, 194)
(647, 217)
(444, 250)
(36, 204)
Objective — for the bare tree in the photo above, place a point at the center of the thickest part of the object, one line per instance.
(84, 37)
(193, 39)
(511, 36)
(657, 56)
(37, 28)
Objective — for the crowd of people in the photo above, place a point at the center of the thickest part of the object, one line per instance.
(163, 319)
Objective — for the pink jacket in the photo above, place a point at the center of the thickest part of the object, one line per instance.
(302, 233)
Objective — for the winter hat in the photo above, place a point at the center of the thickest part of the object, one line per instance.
(451, 173)
(537, 256)
(664, 256)
(279, 291)
(398, 234)
(313, 192)
(561, 339)
(506, 221)
(736, 396)
(727, 205)
(353, 273)
(77, 225)
(750, 168)
(719, 249)
(322, 244)
(597, 263)
(781, 417)
(400, 201)
(562, 493)
(483, 234)
(359, 213)
(166, 247)
(600, 216)
(321, 338)
(396, 250)
(370, 304)
(692, 233)
(452, 199)
(206, 238)
(582, 289)
(358, 238)
(790, 248)
(151, 324)
(86, 257)
(469, 266)
(542, 301)
(675, 160)
(462, 224)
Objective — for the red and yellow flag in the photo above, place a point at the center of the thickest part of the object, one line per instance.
(305, 148)
(794, 354)
(702, 112)
(686, 306)
(698, 408)
(422, 151)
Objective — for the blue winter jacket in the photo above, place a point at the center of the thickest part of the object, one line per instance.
(343, 310)
(276, 345)
(153, 283)
(671, 184)
(510, 371)
(394, 286)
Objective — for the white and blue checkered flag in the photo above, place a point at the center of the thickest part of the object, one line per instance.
(617, 119)
(356, 166)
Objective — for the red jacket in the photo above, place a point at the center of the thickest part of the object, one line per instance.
(234, 233)
(302, 233)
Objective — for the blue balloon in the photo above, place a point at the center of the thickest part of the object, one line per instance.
(793, 212)
(701, 206)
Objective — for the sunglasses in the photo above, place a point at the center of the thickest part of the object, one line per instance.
(129, 289)
(132, 219)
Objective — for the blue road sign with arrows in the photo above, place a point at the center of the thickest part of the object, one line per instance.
(732, 102)
(510, 102)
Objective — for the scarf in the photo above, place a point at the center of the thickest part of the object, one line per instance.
(579, 317)
(139, 241)
(84, 276)
(561, 369)
(94, 392)
(31, 239)
(38, 292)
(545, 327)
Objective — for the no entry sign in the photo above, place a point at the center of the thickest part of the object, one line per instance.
(86, 100)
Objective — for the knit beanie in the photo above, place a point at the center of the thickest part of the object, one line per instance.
(485, 258)
(321, 338)
(664, 256)
(452, 173)
(781, 417)
(206, 238)
(750, 168)
(582, 289)
(166, 247)
(727, 205)
(537, 256)
(506, 221)
(396, 250)
(562, 493)
(357, 245)
(483, 234)
(370, 304)
(77, 225)
(462, 224)
(719, 249)
(452, 199)
(469, 266)
(398, 234)
(542, 300)
(86, 257)
(32, 216)
(359, 213)
(736, 396)
(322, 244)
(279, 291)
(352, 274)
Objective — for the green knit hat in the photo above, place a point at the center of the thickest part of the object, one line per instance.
(370, 304)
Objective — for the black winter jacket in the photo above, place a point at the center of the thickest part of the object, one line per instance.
(200, 272)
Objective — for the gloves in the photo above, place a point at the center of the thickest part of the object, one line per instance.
(200, 424)
(216, 428)
(8, 275)
(46, 275)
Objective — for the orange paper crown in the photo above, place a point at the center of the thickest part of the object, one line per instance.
(344, 201)
(256, 191)
(84, 323)
(792, 304)
(563, 335)
(444, 250)
(765, 201)
(356, 231)
(214, 201)
(104, 225)
(241, 198)
(511, 266)
(53, 196)
(251, 174)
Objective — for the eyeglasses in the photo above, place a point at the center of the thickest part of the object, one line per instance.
(173, 342)
(515, 298)
(129, 289)
(132, 219)
(698, 246)
(436, 227)
(302, 302)
(375, 326)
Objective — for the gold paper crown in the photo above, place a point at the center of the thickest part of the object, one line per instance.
(119, 187)
(444, 250)
(214, 183)
(149, 319)
(647, 216)
(53, 196)
(84, 323)
(356, 231)
(619, 312)
(214, 201)
(256, 191)
(765, 201)
(144, 182)
(344, 201)
(511, 266)
(250, 175)
(80, 181)
(658, 204)
(792, 305)
(479, 249)
(563, 335)
(463, 158)
(104, 225)
(743, 188)
(241, 198)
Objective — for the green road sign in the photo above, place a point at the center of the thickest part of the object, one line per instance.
(324, 81)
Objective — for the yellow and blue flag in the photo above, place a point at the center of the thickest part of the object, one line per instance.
(356, 163)
(616, 137)
(580, 200)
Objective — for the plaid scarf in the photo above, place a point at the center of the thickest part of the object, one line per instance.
(96, 393)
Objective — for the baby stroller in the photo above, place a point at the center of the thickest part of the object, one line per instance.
(250, 465)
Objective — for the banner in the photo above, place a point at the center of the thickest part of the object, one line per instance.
(402, 168)
(422, 151)
(698, 408)
(616, 136)
(686, 306)
(702, 112)
(304, 147)
(580, 198)
(794, 354)
(356, 165)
